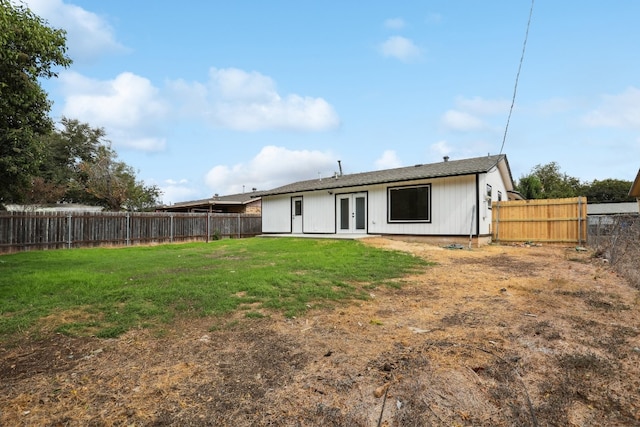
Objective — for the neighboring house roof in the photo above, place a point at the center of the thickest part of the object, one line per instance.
(426, 171)
(635, 187)
(231, 199)
(612, 208)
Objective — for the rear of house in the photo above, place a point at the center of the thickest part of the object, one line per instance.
(445, 201)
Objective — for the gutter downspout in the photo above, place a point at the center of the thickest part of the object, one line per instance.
(477, 205)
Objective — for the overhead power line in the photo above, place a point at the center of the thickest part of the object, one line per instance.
(515, 87)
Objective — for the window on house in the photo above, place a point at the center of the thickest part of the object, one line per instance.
(409, 204)
(489, 193)
(499, 196)
(297, 207)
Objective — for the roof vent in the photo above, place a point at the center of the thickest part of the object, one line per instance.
(446, 158)
(340, 167)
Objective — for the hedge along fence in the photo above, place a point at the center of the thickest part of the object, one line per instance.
(540, 220)
(21, 231)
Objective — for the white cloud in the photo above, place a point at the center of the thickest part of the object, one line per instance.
(617, 111)
(470, 114)
(440, 148)
(481, 106)
(174, 182)
(388, 160)
(129, 107)
(400, 48)
(123, 101)
(88, 35)
(232, 84)
(249, 101)
(134, 112)
(271, 167)
(394, 23)
(461, 121)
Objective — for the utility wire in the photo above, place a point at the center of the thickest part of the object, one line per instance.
(515, 87)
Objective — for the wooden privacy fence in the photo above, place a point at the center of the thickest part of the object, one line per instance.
(21, 231)
(540, 220)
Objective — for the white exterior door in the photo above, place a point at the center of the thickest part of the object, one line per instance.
(351, 215)
(296, 215)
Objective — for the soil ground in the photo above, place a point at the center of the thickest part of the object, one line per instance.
(497, 336)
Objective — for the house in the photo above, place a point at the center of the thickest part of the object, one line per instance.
(443, 202)
(615, 208)
(635, 189)
(249, 203)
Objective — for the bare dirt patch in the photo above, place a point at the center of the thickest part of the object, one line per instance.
(498, 336)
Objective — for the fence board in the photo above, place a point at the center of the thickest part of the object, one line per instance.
(541, 220)
(20, 231)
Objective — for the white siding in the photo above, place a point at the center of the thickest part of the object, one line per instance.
(276, 214)
(452, 201)
(318, 210)
(318, 213)
(493, 178)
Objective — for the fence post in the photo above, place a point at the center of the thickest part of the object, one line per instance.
(128, 231)
(69, 224)
(239, 230)
(497, 221)
(171, 228)
(208, 226)
(579, 220)
(11, 230)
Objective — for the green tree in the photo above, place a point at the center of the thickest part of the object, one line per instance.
(79, 166)
(64, 151)
(607, 190)
(29, 50)
(530, 187)
(553, 183)
(113, 183)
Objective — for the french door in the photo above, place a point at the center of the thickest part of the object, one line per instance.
(351, 215)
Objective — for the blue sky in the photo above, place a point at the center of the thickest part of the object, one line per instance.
(205, 97)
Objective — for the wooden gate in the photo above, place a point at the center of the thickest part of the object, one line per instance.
(540, 220)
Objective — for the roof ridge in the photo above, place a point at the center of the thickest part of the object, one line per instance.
(404, 173)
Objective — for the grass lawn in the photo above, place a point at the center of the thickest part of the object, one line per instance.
(105, 291)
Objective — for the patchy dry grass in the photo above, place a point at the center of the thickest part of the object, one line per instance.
(498, 336)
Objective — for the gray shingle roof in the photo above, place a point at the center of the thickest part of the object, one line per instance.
(238, 199)
(432, 170)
